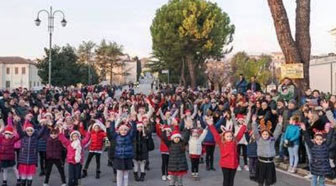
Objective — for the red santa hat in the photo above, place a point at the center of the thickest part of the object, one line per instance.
(144, 117)
(27, 126)
(48, 114)
(43, 119)
(140, 124)
(240, 117)
(75, 132)
(99, 124)
(176, 134)
(9, 130)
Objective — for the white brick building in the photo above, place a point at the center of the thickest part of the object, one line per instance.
(18, 72)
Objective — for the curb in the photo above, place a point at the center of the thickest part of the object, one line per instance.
(300, 173)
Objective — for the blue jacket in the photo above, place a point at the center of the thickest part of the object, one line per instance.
(292, 134)
(124, 144)
(252, 150)
(209, 139)
(241, 86)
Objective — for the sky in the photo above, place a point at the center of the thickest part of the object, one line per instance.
(128, 21)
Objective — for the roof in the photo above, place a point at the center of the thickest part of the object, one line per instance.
(15, 60)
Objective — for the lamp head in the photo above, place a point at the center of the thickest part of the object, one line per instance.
(64, 22)
(37, 21)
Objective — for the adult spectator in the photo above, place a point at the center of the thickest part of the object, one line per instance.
(287, 90)
(241, 85)
(253, 85)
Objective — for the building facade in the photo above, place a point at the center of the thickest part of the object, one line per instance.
(18, 72)
(322, 73)
(124, 73)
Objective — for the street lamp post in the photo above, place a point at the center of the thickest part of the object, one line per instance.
(51, 18)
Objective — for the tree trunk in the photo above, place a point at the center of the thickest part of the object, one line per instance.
(302, 36)
(283, 31)
(191, 68)
(111, 75)
(220, 88)
(183, 80)
(294, 51)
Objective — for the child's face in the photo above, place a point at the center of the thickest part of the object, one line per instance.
(123, 131)
(53, 135)
(318, 140)
(74, 137)
(96, 128)
(194, 134)
(8, 136)
(29, 132)
(140, 129)
(176, 140)
(228, 136)
(142, 110)
(292, 122)
(241, 121)
(265, 135)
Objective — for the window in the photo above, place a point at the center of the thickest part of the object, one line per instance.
(23, 70)
(34, 83)
(7, 84)
(16, 70)
(8, 70)
(30, 84)
(38, 83)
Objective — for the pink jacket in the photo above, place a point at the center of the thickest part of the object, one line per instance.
(71, 152)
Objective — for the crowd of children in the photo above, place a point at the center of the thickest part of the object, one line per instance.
(71, 125)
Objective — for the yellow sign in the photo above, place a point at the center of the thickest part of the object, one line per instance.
(293, 71)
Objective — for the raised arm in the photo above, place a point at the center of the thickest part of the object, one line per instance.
(307, 139)
(19, 129)
(86, 139)
(213, 130)
(255, 127)
(175, 113)
(203, 135)
(161, 114)
(331, 118)
(63, 139)
(330, 141)
(150, 111)
(133, 129)
(195, 112)
(41, 131)
(110, 130)
(278, 129)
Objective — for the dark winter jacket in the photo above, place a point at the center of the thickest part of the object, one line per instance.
(28, 151)
(320, 165)
(124, 144)
(140, 146)
(177, 157)
(42, 142)
(252, 149)
(54, 149)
